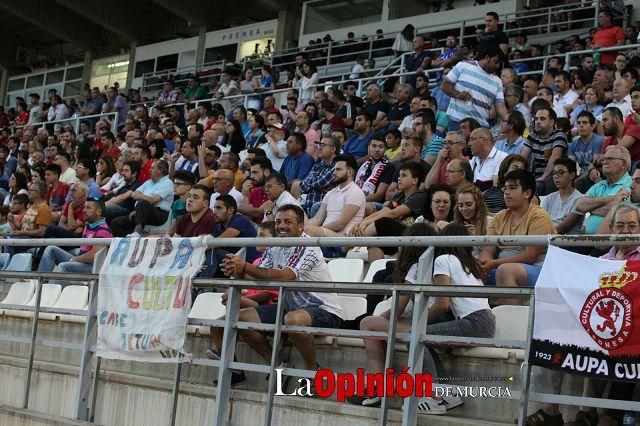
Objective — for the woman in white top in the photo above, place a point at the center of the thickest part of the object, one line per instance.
(472, 316)
(248, 85)
(305, 81)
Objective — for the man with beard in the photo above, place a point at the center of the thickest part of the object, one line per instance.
(253, 189)
(342, 207)
(619, 134)
(122, 203)
(375, 175)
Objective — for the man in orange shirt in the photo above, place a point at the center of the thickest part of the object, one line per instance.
(607, 35)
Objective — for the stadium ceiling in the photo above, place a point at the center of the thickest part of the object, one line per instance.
(39, 34)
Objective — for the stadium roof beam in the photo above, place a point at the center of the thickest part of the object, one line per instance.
(109, 15)
(8, 50)
(195, 12)
(54, 19)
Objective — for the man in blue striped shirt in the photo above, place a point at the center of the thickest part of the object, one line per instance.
(474, 88)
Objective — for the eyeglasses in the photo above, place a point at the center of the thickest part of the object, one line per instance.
(559, 173)
(451, 143)
(632, 227)
(607, 159)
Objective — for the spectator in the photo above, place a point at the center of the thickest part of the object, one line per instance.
(38, 215)
(275, 187)
(93, 105)
(79, 260)
(509, 78)
(517, 266)
(168, 95)
(18, 184)
(357, 69)
(403, 40)
(288, 264)
(18, 208)
(142, 156)
(195, 91)
(234, 140)
(58, 111)
(330, 121)
(267, 80)
(419, 60)
(187, 159)
(565, 96)
(617, 134)
(621, 97)
(400, 109)
(543, 146)
(486, 158)
(306, 80)
(441, 173)
(85, 172)
(229, 88)
(357, 145)
(493, 37)
(253, 189)
(109, 148)
(450, 54)
(35, 110)
(607, 35)
(231, 224)
(512, 129)
(70, 222)
(198, 219)
(375, 174)
(462, 83)
(414, 109)
(546, 94)
(425, 125)
(377, 108)
(153, 203)
(255, 135)
(393, 138)
(56, 192)
(303, 122)
(585, 149)
(603, 79)
(182, 183)
(122, 203)
(598, 200)
(344, 109)
(471, 212)
(625, 220)
(105, 169)
(223, 185)
(320, 178)
(276, 146)
(530, 87)
(298, 162)
(561, 204)
(68, 174)
(593, 96)
(422, 85)
(514, 98)
(116, 103)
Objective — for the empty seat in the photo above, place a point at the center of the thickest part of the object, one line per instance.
(511, 324)
(73, 297)
(207, 306)
(20, 262)
(346, 270)
(20, 293)
(4, 260)
(352, 307)
(49, 297)
(377, 265)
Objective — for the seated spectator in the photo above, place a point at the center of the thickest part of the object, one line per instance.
(400, 109)
(256, 134)
(517, 266)
(375, 174)
(357, 144)
(5, 225)
(471, 212)
(593, 97)
(514, 99)
(187, 159)
(153, 203)
(377, 108)
(182, 183)
(231, 224)
(71, 221)
(561, 204)
(79, 260)
(599, 199)
(105, 169)
(195, 91)
(414, 109)
(586, 148)
(253, 189)
(303, 125)
(625, 220)
(223, 185)
(342, 207)
(198, 219)
(116, 181)
(486, 158)
(565, 96)
(56, 192)
(109, 147)
(344, 109)
(122, 203)
(393, 140)
(425, 124)
(38, 215)
(543, 146)
(619, 134)
(288, 264)
(330, 120)
(168, 95)
(229, 88)
(494, 196)
(275, 188)
(18, 184)
(298, 162)
(621, 97)
(142, 155)
(18, 209)
(546, 94)
(68, 174)
(410, 152)
(320, 179)
(451, 151)
(512, 129)
(85, 172)
(276, 146)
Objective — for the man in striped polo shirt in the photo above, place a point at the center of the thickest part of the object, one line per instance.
(474, 88)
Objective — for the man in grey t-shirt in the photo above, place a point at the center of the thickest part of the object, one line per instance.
(561, 204)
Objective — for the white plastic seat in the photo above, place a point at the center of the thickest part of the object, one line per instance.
(20, 262)
(358, 253)
(511, 324)
(4, 260)
(73, 297)
(352, 307)
(377, 265)
(49, 297)
(207, 306)
(20, 293)
(346, 270)
(158, 229)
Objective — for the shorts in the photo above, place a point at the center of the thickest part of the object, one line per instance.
(532, 275)
(319, 316)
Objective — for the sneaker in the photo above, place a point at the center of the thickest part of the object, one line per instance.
(134, 235)
(214, 354)
(428, 405)
(451, 402)
(237, 379)
(364, 401)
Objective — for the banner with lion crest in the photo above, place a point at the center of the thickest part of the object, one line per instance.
(144, 298)
(585, 311)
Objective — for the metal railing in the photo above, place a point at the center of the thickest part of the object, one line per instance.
(76, 119)
(87, 385)
(159, 75)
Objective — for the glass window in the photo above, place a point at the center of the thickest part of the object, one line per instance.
(16, 84)
(75, 73)
(72, 89)
(167, 62)
(55, 77)
(218, 53)
(144, 67)
(35, 81)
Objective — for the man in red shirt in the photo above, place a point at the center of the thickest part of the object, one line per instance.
(199, 219)
(109, 148)
(253, 190)
(607, 35)
(142, 155)
(57, 191)
(618, 133)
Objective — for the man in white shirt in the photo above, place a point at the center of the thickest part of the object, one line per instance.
(35, 109)
(223, 185)
(342, 207)
(276, 189)
(414, 109)
(357, 69)
(486, 158)
(565, 96)
(57, 111)
(276, 146)
(547, 94)
(622, 97)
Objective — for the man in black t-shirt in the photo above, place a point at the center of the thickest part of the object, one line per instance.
(493, 36)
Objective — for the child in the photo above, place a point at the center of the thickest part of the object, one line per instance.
(5, 226)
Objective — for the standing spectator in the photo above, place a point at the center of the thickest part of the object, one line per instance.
(357, 145)
(92, 106)
(418, 61)
(607, 35)
(512, 129)
(116, 103)
(298, 162)
(403, 40)
(57, 111)
(306, 80)
(492, 35)
(561, 204)
(474, 88)
(35, 110)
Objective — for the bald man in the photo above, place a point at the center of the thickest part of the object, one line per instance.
(622, 96)
(486, 158)
(223, 185)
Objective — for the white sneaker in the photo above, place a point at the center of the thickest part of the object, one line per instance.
(134, 235)
(452, 402)
(428, 405)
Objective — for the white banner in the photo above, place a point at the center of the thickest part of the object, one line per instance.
(144, 298)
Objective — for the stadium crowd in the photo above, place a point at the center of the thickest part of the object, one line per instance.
(486, 152)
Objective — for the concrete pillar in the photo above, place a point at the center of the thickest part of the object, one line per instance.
(202, 37)
(132, 64)
(4, 84)
(289, 22)
(86, 70)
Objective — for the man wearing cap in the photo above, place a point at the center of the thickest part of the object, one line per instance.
(35, 109)
(276, 146)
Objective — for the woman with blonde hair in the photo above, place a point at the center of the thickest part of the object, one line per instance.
(471, 211)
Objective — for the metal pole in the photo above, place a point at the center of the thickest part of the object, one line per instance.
(175, 392)
(88, 342)
(402, 67)
(549, 21)
(94, 389)
(526, 377)
(461, 40)
(32, 345)
(597, 12)
(391, 342)
(328, 59)
(371, 48)
(274, 358)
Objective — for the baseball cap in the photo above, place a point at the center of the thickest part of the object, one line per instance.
(278, 126)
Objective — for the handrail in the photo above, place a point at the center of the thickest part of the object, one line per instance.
(76, 119)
